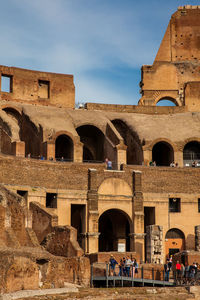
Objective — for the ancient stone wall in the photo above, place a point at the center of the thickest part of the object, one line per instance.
(135, 109)
(154, 244)
(38, 87)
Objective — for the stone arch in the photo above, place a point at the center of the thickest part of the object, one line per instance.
(64, 148)
(191, 150)
(131, 140)
(162, 154)
(167, 97)
(13, 111)
(174, 241)
(114, 228)
(93, 140)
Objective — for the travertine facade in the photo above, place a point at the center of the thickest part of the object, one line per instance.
(53, 154)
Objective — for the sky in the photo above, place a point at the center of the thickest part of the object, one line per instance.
(103, 43)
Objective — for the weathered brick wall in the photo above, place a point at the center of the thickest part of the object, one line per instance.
(21, 270)
(46, 174)
(43, 220)
(169, 180)
(58, 240)
(135, 108)
(62, 241)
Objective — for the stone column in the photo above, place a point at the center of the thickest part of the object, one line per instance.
(138, 213)
(147, 156)
(92, 234)
(178, 158)
(78, 152)
(154, 244)
(18, 148)
(197, 238)
(121, 154)
(49, 150)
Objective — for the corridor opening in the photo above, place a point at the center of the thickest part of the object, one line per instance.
(114, 229)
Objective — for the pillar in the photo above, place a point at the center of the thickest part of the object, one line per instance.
(78, 152)
(138, 213)
(49, 150)
(147, 156)
(18, 148)
(197, 238)
(154, 244)
(121, 154)
(92, 234)
(178, 158)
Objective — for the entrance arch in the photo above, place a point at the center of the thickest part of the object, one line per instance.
(64, 148)
(93, 142)
(191, 152)
(174, 241)
(114, 228)
(162, 154)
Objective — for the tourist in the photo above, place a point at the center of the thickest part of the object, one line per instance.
(29, 155)
(167, 270)
(128, 264)
(178, 270)
(121, 267)
(136, 268)
(133, 267)
(182, 271)
(112, 264)
(172, 164)
(108, 164)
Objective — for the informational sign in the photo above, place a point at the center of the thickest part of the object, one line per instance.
(121, 247)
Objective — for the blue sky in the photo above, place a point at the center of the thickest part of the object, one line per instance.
(103, 43)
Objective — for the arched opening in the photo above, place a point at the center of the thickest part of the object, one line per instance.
(114, 228)
(132, 141)
(162, 154)
(78, 221)
(167, 101)
(93, 141)
(64, 148)
(191, 152)
(174, 241)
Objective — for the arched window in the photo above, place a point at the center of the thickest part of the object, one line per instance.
(167, 101)
(162, 154)
(93, 143)
(132, 141)
(64, 148)
(174, 241)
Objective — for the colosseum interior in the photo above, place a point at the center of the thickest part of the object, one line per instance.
(60, 206)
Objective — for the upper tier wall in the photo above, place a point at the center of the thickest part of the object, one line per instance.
(160, 110)
(36, 87)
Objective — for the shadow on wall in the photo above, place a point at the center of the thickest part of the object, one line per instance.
(132, 141)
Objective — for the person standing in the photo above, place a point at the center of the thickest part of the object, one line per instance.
(167, 270)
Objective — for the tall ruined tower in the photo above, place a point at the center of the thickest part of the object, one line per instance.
(175, 73)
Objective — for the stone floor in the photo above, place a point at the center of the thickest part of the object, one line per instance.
(136, 293)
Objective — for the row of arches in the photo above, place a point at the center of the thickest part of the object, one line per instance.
(95, 145)
(163, 153)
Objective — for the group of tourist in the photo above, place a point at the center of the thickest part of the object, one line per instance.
(186, 271)
(127, 267)
(182, 271)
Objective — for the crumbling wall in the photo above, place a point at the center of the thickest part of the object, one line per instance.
(197, 238)
(58, 240)
(154, 244)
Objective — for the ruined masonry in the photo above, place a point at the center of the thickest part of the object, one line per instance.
(60, 207)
